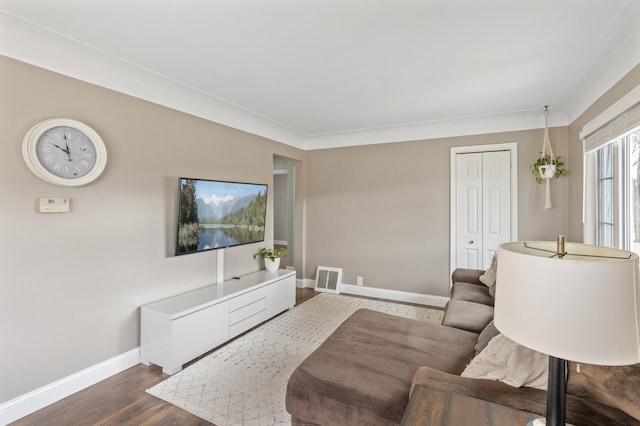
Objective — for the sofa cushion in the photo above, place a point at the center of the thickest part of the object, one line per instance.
(471, 293)
(466, 275)
(467, 315)
(489, 276)
(362, 373)
(615, 386)
(488, 333)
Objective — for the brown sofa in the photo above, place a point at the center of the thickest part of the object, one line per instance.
(363, 373)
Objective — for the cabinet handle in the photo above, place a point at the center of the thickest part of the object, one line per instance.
(471, 242)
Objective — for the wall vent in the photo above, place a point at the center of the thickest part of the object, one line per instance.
(328, 279)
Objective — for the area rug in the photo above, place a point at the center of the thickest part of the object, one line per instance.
(244, 382)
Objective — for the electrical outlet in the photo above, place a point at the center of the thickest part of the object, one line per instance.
(359, 281)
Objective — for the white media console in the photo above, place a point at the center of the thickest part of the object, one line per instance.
(176, 330)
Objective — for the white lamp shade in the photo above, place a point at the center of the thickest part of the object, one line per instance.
(581, 308)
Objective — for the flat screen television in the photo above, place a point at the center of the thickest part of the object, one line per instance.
(217, 214)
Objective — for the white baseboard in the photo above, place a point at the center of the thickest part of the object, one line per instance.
(398, 296)
(383, 293)
(305, 283)
(33, 401)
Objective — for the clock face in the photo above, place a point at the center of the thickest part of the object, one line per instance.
(66, 152)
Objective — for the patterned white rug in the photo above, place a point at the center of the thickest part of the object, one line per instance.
(244, 382)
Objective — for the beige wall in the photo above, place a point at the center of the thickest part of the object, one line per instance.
(71, 284)
(382, 211)
(626, 84)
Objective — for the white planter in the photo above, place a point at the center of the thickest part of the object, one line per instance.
(547, 171)
(272, 265)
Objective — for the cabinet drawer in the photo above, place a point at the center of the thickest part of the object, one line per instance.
(247, 311)
(247, 323)
(247, 298)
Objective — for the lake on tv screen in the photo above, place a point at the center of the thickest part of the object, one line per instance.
(213, 236)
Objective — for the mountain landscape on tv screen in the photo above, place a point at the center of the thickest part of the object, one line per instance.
(216, 208)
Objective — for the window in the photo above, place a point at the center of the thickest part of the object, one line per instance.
(617, 201)
(611, 193)
(605, 203)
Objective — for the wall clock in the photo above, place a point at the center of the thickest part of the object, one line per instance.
(64, 152)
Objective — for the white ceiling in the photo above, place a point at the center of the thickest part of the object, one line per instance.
(316, 74)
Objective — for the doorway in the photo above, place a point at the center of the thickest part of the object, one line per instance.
(483, 203)
(284, 214)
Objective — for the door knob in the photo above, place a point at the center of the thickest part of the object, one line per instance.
(471, 242)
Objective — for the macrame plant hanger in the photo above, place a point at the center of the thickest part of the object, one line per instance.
(547, 152)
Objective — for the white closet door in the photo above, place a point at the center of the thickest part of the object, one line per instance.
(496, 213)
(483, 206)
(469, 208)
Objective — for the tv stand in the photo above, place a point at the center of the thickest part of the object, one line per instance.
(178, 329)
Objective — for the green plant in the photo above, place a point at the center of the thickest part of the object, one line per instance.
(264, 252)
(546, 160)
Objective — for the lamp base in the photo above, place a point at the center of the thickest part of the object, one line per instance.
(556, 395)
(556, 392)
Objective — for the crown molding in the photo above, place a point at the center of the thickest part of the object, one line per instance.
(30, 43)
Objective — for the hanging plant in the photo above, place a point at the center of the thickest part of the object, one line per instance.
(540, 168)
(547, 166)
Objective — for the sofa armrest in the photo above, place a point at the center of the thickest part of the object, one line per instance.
(579, 410)
(467, 275)
(526, 399)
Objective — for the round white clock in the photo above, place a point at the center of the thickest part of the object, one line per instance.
(64, 152)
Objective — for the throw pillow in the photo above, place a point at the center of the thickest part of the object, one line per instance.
(488, 333)
(489, 276)
(508, 362)
(492, 289)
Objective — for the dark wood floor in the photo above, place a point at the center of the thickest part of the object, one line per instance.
(122, 400)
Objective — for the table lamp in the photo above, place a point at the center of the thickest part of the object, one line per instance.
(571, 301)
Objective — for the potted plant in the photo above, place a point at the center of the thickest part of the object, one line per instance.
(271, 257)
(547, 167)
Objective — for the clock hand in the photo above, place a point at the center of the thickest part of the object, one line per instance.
(59, 147)
(66, 142)
(62, 149)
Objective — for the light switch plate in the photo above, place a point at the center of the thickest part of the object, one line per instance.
(53, 205)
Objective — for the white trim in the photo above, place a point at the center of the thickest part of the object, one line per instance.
(305, 283)
(280, 172)
(463, 126)
(512, 147)
(590, 192)
(35, 400)
(623, 104)
(395, 295)
(280, 242)
(383, 293)
(86, 63)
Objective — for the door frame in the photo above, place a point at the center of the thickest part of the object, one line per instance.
(290, 206)
(512, 147)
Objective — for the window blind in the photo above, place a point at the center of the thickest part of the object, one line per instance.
(620, 125)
